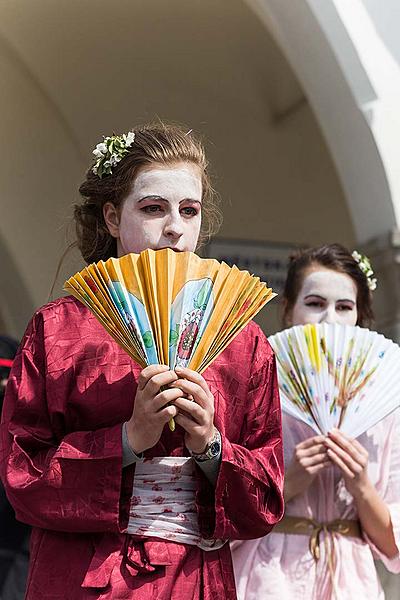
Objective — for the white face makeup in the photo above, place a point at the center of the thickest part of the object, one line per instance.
(326, 296)
(163, 210)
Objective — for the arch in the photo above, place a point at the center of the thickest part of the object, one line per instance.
(338, 58)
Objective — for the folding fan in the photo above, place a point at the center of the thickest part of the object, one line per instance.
(337, 376)
(172, 308)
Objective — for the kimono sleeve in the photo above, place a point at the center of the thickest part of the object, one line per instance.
(75, 484)
(248, 497)
(392, 493)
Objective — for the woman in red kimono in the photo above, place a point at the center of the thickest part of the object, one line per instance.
(79, 415)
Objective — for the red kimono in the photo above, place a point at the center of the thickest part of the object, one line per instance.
(70, 390)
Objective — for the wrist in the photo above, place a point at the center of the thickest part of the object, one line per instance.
(291, 489)
(362, 490)
(211, 450)
(135, 441)
(201, 445)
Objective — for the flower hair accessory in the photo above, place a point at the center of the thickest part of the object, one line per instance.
(365, 266)
(109, 152)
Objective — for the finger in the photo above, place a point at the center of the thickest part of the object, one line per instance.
(320, 467)
(339, 463)
(195, 411)
(158, 381)
(166, 414)
(305, 452)
(314, 460)
(149, 372)
(309, 442)
(187, 423)
(360, 447)
(347, 444)
(354, 467)
(165, 397)
(193, 389)
(195, 377)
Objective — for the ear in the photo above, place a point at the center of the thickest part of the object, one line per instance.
(111, 218)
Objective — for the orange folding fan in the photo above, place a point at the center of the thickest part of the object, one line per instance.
(166, 307)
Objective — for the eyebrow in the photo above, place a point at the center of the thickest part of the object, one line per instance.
(160, 198)
(322, 298)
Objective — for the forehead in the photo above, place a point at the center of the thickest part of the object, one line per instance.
(328, 283)
(179, 178)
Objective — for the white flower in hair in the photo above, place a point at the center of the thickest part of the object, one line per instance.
(111, 151)
(365, 266)
(102, 148)
(129, 138)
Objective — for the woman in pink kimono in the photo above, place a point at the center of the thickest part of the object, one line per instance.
(344, 489)
(121, 507)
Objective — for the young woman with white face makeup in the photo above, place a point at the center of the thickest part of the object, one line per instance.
(332, 478)
(80, 417)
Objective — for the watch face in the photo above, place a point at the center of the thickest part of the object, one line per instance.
(214, 448)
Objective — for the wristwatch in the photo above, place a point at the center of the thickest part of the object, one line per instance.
(213, 448)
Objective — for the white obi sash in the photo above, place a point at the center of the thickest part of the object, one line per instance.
(163, 502)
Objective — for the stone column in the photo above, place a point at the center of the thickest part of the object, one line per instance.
(384, 253)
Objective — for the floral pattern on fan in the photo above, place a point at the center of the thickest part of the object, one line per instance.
(190, 313)
(337, 376)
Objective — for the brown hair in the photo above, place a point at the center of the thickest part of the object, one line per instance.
(154, 143)
(329, 256)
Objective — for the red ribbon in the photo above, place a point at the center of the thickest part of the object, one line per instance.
(6, 362)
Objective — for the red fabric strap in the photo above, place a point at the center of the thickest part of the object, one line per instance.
(6, 362)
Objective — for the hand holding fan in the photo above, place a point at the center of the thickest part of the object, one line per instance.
(170, 308)
(337, 376)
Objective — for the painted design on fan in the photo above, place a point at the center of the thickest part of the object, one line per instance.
(93, 288)
(190, 312)
(327, 374)
(348, 380)
(134, 314)
(353, 380)
(91, 285)
(238, 311)
(190, 325)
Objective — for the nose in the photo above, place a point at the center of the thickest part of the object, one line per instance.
(173, 228)
(329, 315)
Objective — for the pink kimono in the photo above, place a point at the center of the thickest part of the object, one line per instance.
(70, 390)
(280, 565)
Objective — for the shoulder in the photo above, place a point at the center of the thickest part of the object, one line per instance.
(252, 341)
(67, 306)
(56, 316)
(248, 353)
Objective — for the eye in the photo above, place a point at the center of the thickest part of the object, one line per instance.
(344, 307)
(152, 208)
(189, 211)
(314, 303)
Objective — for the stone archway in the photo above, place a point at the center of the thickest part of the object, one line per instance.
(353, 86)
